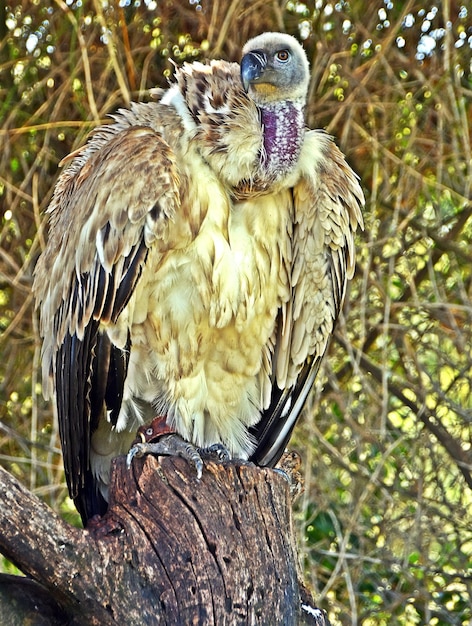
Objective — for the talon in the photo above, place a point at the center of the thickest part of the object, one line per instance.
(135, 451)
(218, 451)
(197, 461)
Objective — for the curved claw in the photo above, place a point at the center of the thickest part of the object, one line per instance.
(216, 451)
(194, 457)
(134, 451)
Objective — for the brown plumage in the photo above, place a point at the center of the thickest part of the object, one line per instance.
(197, 260)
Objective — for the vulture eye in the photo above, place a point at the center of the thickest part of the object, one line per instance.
(283, 56)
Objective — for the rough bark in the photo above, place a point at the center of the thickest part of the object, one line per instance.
(171, 550)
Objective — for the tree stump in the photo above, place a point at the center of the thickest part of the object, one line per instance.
(171, 550)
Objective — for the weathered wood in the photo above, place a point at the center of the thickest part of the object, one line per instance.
(171, 550)
(24, 601)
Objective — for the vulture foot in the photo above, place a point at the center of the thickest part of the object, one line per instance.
(173, 445)
(168, 445)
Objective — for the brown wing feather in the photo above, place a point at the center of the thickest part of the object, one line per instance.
(327, 211)
(110, 206)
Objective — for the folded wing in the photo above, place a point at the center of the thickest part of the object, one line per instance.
(110, 206)
(327, 203)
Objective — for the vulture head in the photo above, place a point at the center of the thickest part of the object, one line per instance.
(274, 67)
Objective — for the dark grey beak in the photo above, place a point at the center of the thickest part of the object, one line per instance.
(253, 65)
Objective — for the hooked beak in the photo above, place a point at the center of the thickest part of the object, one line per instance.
(253, 65)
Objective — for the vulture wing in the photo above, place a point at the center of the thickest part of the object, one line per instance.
(327, 203)
(110, 206)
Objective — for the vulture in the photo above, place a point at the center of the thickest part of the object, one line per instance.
(198, 254)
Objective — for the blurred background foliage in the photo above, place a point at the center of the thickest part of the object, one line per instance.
(385, 523)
